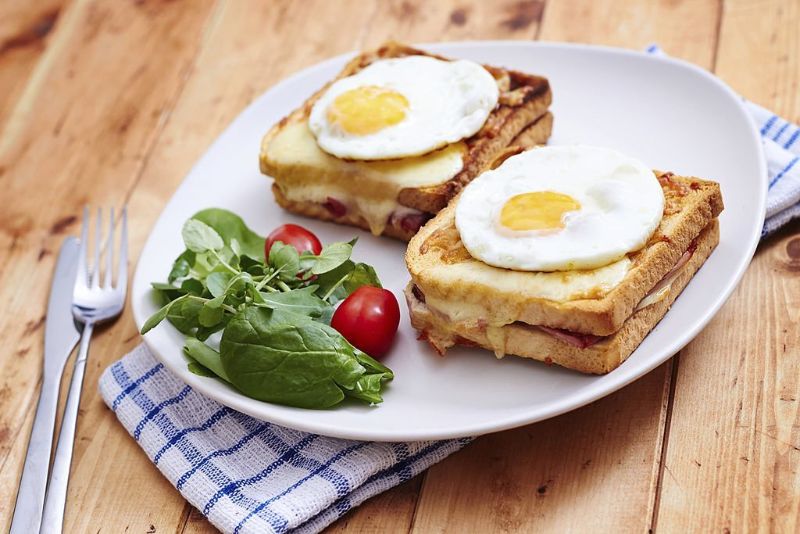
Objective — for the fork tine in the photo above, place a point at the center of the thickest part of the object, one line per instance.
(109, 252)
(83, 272)
(122, 275)
(98, 238)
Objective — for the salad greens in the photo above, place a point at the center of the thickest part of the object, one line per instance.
(273, 313)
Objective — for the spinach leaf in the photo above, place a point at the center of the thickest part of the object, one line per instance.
(368, 388)
(200, 237)
(287, 358)
(230, 226)
(205, 356)
(197, 369)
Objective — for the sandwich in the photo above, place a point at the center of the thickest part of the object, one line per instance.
(567, 255)
(388, 142)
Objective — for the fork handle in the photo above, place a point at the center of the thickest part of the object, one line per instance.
(56, 499)
(30, 499)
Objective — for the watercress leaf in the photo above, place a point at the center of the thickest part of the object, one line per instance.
(210, 315)
(362, 275)
(184, 314)
(302, 301)
(287, 358)
(216, 302)
(329, 285)
(230, 226)
(161, 314)
(193, 287)
(200, 237)
(161, 286)
(167, 292)
(217, 282)
(236, 248)
(331, 257)
(286, 259)
(182, 266)
(205, 356)
(251, 265)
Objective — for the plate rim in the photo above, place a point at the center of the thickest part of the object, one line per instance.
(237, 401)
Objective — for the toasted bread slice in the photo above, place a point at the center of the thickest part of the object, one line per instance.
(407, 224)
(532, 342)
(448, 276)
(524, 99)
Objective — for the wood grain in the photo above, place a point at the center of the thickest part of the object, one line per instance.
(107, 102)
(733, 457)
(79, 133)
(553, 476)
(684, 29)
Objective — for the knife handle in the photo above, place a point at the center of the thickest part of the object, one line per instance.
(56, 500)
(32, 486)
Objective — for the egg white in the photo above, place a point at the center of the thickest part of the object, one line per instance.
(621, 205)
(448, 101)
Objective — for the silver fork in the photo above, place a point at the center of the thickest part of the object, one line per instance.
(93, 302)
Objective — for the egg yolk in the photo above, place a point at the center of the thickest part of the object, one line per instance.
(540, 210)
(367, 109)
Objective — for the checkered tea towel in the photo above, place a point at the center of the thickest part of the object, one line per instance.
(781, 141)
(246, 475)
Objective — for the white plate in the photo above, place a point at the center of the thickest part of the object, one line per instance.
(668, 113)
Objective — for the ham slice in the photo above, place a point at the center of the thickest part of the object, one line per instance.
(582, 341)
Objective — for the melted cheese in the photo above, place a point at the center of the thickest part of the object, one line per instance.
(484, 279)
(307, 174)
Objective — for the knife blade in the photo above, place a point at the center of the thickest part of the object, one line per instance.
(60, 337)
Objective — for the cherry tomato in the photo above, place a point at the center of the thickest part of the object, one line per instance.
(368, 319)
(297, 236)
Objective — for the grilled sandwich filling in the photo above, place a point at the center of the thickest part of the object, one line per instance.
(305, 173)
(475, 315)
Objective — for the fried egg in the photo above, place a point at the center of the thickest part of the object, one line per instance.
(560, 209)
(403, 107)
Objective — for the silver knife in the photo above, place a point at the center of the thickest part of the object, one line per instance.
(60, 338)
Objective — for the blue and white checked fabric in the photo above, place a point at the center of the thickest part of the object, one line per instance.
(246, 475)
(781, 141)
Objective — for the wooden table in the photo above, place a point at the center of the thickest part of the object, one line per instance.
(110, 102)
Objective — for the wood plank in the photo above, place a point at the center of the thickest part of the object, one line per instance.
(733, 458)
(550, 486)
(452, 20)
(80, 133)
(553, 476)
(25, 29)
(634, 24)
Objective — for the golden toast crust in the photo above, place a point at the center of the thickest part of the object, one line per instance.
(691, 204)
(524, 98)
(530, 342)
